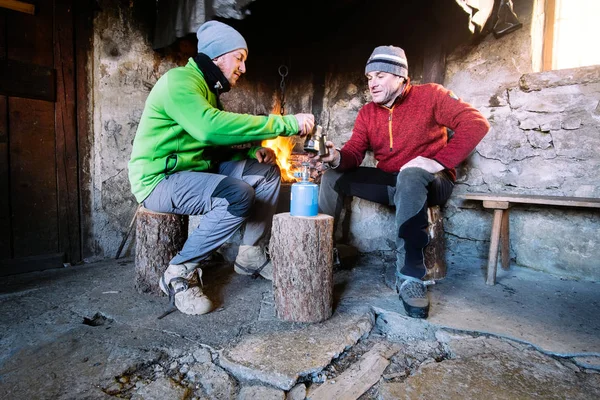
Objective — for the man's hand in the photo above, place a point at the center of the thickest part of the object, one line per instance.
(333, 159)
(266, 155)
(306, 123)
(425, 163)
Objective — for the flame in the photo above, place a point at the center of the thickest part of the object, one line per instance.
(282, 146)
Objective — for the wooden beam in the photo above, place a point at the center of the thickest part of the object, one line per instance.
(18, 6)
(502, 198)
(83, 11)
(26, 80)
(66, 131)
(548, 45)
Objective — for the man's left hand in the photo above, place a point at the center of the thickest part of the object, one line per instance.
(266, 155)
(425, 163)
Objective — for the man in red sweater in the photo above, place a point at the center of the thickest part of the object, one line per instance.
(406, 127)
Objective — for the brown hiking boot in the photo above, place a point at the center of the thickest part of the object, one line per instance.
(182, 283)
(252, 260)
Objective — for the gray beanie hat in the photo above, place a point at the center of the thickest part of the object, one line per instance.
(216, 38)
(388, 59)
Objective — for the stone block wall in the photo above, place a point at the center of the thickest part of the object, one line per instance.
(544, 137)
(544, 140)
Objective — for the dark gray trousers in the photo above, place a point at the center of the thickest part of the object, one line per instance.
(410, 192)
(239, 191)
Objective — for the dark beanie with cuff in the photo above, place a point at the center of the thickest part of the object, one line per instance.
(216, 38)
(389, 59)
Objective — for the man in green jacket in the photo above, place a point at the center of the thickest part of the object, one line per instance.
(183, 162)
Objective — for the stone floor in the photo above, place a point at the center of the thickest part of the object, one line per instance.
(84, 333)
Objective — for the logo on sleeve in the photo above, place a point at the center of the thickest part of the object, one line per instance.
(451, 94)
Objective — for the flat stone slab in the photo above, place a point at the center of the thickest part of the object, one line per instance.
(484, 367)
(280, 358)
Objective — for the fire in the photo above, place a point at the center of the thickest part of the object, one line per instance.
(282, 146)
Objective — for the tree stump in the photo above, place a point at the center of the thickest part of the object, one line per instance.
(301, 250)
(159, 236)
(435, 252)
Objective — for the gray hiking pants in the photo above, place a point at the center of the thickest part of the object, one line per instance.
(238, 192)
(410, 192)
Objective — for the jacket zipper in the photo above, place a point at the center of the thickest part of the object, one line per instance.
(390, 128)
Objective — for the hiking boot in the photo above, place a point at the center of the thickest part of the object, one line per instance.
(252, 260)
(181, 282)
(413, 294)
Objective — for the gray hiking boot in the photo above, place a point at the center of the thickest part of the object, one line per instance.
(181, 282)
(413, 294)
(252, 260)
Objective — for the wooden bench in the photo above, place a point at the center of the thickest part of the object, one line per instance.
(501, 203)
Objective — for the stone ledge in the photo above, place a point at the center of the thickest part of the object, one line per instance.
(563, 77)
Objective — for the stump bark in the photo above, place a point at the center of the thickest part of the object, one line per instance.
(435, 252)
(159, 236)
(301, 250)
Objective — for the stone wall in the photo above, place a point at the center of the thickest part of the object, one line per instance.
(124, 69)
(543, 138)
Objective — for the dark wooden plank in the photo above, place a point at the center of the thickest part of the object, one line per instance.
(32, 177)
(27, 80)
(590, 202)
(4, 186)
(5, 236)
(30, 37)
(66, 132)
(3, 34)
(83, 44)
(33, 263)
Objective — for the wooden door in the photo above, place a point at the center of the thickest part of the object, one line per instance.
(39, 190)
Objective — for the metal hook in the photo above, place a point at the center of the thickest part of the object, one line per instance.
(283, 68)
(283, 72)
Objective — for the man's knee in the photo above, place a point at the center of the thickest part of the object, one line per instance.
(273, 173)
(238, 194)
(413, 176)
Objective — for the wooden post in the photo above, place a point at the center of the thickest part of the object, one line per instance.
(499, 224)
(301, 250)
(159, 237)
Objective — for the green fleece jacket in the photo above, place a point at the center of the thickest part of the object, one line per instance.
(181, 129)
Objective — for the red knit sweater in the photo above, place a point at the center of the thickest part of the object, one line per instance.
(414, 126)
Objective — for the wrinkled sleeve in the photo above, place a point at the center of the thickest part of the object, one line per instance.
(468, 124)
(188, 106)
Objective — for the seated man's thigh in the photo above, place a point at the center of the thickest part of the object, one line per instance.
(368, 183)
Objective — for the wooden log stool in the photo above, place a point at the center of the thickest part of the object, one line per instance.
(434, 253)
(301, 250)
(159, 236)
